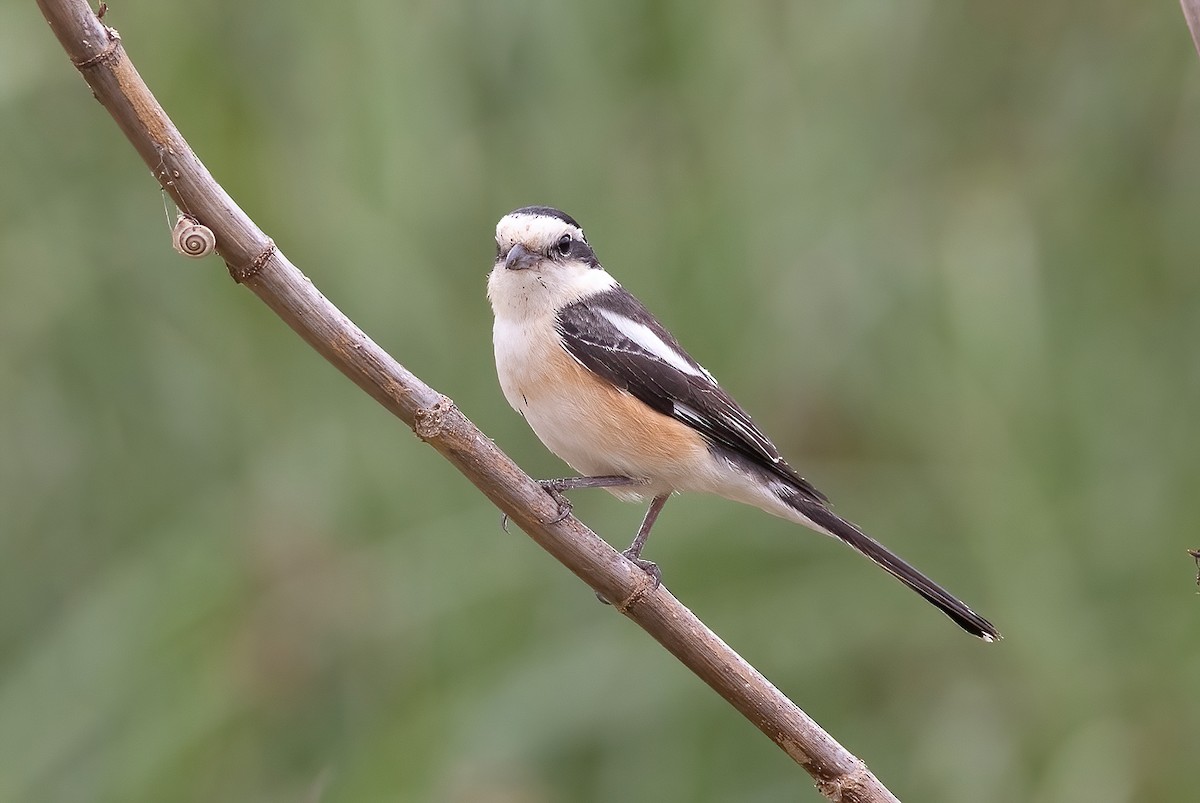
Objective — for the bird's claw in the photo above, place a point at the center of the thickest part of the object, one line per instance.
(648, 566)
(564, 504)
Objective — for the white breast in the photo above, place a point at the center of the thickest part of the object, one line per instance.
(523, 350)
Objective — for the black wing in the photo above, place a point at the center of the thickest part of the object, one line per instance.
(613, 335)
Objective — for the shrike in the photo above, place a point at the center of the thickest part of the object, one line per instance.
(609, 390)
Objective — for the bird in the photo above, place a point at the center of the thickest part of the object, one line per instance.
(609, 390)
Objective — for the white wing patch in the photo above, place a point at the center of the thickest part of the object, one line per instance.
(652, 343)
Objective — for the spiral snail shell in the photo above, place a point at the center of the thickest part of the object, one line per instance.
(192, 239)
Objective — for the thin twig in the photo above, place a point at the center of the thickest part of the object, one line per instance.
(253, 260)
(1191, 13)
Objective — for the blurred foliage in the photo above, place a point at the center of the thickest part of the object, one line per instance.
(946, 253)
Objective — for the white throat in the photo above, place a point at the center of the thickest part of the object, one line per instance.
(523, 295)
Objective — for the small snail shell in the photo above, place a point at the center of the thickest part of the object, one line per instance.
(192, 239)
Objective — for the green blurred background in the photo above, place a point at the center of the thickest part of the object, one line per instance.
(946, 253)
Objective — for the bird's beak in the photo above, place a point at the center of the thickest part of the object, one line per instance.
(519, 258)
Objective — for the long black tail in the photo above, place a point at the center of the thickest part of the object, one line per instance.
(827, 520)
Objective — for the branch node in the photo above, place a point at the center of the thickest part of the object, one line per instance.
(111, 52)
(646, 585)
(428, 421)
(848, 786)
(244, 273)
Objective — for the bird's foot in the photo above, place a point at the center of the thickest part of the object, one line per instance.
(648, 566)
(554, 488)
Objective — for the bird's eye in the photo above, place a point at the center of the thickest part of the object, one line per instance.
(563, 246)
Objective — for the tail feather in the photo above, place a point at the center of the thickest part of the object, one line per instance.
(950, 605)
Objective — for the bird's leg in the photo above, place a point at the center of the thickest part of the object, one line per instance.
(634, 552)
(556, 487)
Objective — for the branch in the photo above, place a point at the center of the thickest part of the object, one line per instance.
(254, 261)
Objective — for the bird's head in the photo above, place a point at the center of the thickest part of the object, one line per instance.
(543, 262)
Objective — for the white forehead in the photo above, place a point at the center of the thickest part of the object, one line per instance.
(537, 232)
